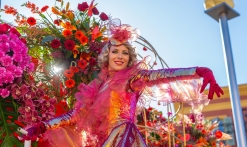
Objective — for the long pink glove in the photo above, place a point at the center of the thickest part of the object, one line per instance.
(208, 77)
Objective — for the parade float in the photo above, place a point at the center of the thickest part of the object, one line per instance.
(43, 60)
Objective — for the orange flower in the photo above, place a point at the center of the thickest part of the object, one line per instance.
(20, 21)
(31, 21)
(82, 64)
(67, 33)
(10, 10)
(85, 55)
(70, 83)
(67, 25)
(83, 40)
(70, 15)
(75, 52)
(43, 9)
(55, 11)
(96, 33)
(32, 6)
(68, 73)
(74, 69)
(79, 34)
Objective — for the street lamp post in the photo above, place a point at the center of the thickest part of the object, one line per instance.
(222, 13)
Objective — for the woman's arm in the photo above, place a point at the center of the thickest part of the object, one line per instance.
(153, 77)
(65, 119)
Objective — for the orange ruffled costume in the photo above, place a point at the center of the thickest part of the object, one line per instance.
(105, 111)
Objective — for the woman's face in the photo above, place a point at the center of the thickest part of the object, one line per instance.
(118, 58)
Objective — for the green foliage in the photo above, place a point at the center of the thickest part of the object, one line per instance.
(8, 114)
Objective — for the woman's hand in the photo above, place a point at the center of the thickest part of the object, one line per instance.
(35, 131)
(208, 77)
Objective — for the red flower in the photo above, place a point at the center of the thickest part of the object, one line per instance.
(69, 44)
(31, 21)
(92, 61)
(83, 40)
(103, 16)
(82, 63)
(74, 69)
(95, 11)
(57, 22)
(121, 35)
(67, 33)
(55, 43)
(68, 73)
(218, 134)
(61, 108)
(23, 40)
(150, 109)
(43, 9)
(4, 28)
(70, 83)
(83, 6)
(79, 34)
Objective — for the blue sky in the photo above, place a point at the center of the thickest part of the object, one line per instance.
(179, 30)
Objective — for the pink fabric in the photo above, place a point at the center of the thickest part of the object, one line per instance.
(108, 103)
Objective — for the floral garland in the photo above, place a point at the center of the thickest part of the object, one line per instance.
(14, 60)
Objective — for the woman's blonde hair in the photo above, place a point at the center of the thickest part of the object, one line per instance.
(103, 57)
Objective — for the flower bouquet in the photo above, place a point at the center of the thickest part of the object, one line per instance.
(43, 60)
(194, 130)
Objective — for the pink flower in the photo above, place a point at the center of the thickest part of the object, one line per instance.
(1, 54)
(8, 78)
(4, 47)
(103, 16)
(4, 38)
(40, 93)
(48, 105)
(18, 72)
(33, 118)
(30, 67)
(14, 31)
(47, 115)
(4, 93)
(83, 6)
(92, 62)
(95, 11)
(6, 61)
(57, 54)
(2, 70)
(29, 95)
(121, 35)
(27, 109)
(17, 57)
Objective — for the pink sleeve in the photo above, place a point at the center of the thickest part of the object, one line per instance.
(170, 85)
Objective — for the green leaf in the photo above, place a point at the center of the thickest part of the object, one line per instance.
(47, 39)
(42, 16)
(68, 54)
(8, 113)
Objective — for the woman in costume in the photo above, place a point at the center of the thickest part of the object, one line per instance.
(105, 111)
